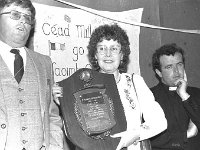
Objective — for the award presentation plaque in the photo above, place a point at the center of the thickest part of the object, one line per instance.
(92, 110)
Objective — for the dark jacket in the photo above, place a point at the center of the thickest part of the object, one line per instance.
(177, 114)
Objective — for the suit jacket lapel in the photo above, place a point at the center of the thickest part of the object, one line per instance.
(3, 71)
(41, 76)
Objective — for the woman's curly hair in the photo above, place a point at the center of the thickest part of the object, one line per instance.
(109, 32)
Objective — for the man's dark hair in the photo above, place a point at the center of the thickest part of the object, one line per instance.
(109, 32)
(167, 49)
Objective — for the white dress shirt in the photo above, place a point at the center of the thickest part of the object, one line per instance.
(9, 57)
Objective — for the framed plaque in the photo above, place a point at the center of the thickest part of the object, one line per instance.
(92, 110)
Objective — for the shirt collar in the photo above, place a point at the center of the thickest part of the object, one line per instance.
(5, 48)
(168, 88)
(172, 88)
(5, 51)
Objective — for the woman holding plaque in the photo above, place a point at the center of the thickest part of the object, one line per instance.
(108, 52)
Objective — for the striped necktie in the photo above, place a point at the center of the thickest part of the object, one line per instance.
(18, 65)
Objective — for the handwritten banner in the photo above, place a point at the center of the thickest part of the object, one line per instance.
(93, 11)
(63, 34)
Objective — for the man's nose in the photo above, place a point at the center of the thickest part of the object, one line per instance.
(23, 19)
(176, 70)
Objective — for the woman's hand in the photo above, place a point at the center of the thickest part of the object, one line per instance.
(57, 92)
(127, 138)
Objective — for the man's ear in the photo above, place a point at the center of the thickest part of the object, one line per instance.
(158, 73)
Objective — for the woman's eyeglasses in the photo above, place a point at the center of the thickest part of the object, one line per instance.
(16, 15)
(102, 49)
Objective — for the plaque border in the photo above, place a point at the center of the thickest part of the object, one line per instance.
(109, 103)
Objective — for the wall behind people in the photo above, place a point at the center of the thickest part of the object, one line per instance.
(184, 14)
(179, 14)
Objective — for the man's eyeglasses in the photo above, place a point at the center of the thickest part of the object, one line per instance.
(114, 50)
(16, 15)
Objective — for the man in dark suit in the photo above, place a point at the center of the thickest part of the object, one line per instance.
(179, 101)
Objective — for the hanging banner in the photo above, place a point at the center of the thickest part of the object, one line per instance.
(93, 11)
(64, 33)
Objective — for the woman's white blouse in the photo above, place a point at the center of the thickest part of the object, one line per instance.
(141, 104)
